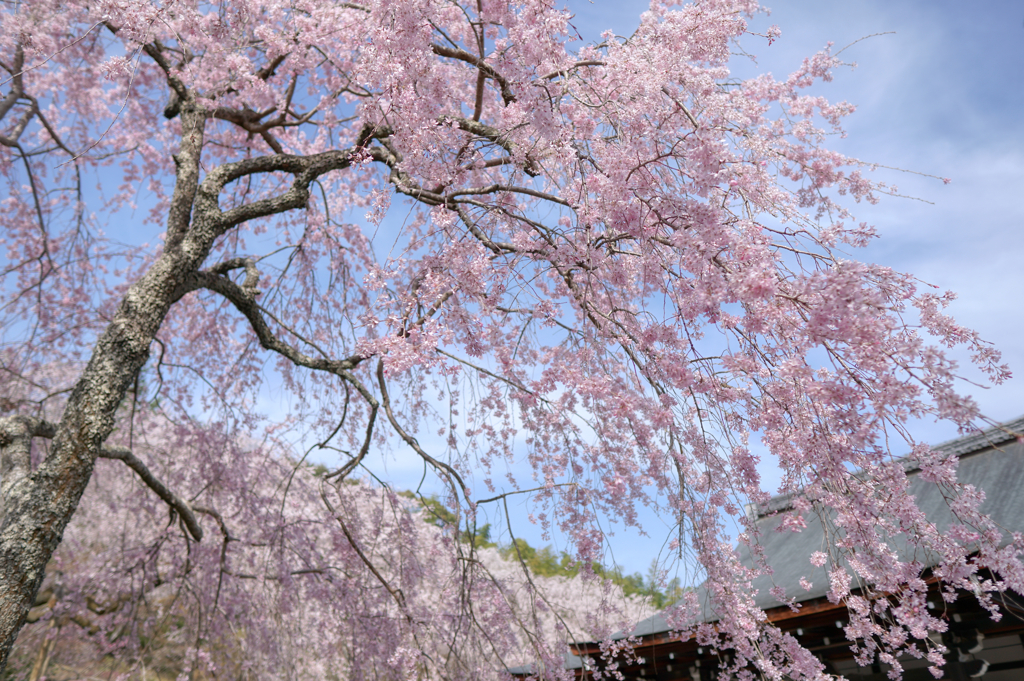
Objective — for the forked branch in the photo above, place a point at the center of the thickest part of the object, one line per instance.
(16, 433)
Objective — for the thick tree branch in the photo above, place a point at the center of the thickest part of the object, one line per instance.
(39, 506)
(187, 163)
(453, 53)
(16, 94)
(17, 82)
(155, 51)
(495, 188)
(491, 134)
(162, 491)
(244, 300)
(306, 169)
(270, 68)
(16, 433)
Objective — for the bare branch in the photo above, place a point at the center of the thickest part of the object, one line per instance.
(162, 491)
(244, 300)
(16, 433)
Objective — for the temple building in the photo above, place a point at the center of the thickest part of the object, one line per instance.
(979, 646)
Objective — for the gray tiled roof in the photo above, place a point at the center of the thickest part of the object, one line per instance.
(992, 461)
(571, 662)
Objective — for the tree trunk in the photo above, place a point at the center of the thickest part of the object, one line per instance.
(38, 506)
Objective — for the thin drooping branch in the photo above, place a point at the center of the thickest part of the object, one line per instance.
(226, 539)
(451, 473)
(396, 593)
(351, 465)
(244, 299)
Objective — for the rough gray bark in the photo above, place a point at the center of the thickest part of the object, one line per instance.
(38, 505)
(15, 460)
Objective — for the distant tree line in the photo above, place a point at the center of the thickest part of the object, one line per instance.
(550, 562)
